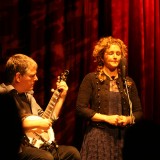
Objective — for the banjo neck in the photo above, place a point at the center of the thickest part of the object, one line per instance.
(48, 113)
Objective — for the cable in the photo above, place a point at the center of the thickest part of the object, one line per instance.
(54, 143)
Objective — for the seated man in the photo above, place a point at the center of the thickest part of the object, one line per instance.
(20, 77)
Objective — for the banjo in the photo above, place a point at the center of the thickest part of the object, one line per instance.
(39, 138)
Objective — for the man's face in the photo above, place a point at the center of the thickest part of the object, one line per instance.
(26, 82)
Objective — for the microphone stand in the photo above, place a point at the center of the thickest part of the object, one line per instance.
(129, 100)
(123, 67)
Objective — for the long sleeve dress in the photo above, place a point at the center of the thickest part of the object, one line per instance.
(103, 141)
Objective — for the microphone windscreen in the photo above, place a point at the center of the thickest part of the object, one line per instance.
(123, 72)
(123, 68)
(123, 62)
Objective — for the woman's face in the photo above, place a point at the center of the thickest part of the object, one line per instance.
(112, 57)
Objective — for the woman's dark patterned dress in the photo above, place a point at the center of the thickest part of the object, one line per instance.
(101, 141)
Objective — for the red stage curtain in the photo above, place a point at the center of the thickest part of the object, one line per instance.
(60, 34)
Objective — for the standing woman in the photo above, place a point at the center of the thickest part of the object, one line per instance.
(109, 101)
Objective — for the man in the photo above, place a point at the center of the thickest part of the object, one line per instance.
(38, 142)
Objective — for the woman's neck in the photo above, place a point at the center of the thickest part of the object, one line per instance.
(111, 73)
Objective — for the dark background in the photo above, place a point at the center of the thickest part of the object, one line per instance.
(60, 34)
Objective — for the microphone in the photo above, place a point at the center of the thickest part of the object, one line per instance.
(123, 68)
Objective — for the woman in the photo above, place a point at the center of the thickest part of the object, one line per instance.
(109, 101)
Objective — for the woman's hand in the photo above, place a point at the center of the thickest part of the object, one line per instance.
(112, 119)
(124, 120)
(116, 120)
